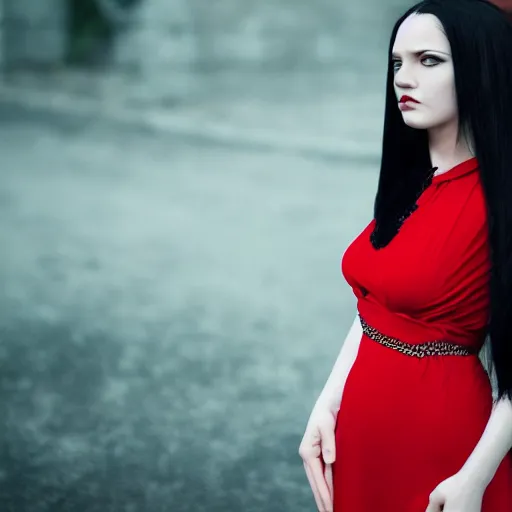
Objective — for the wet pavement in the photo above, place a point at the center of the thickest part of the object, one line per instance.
(170, 311)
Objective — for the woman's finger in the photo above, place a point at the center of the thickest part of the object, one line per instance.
(329, 480)
(317, 471)
(314, 488)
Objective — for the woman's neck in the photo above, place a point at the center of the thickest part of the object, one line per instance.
(446, 151)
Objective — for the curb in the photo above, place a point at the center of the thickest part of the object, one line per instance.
(225, 134)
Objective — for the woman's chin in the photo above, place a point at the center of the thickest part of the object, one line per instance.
(418, 124)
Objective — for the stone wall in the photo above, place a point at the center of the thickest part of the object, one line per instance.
(256, 34)
(172, 42)
(33, 32)
(2, 27)
(176, 50)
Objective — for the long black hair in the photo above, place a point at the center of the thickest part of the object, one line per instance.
(480, 36)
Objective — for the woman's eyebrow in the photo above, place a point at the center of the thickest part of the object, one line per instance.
(419, 52)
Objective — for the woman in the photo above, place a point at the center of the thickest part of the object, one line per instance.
(406, 421)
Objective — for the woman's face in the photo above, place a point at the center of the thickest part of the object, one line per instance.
(423, 71)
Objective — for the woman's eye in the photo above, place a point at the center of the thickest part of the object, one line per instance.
(430, 61)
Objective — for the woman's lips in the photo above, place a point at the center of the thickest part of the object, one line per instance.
(406, 98)
(406, 103)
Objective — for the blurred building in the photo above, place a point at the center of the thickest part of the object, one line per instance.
(169, 42)
(33, 33)
(225, 34)
(177, 49)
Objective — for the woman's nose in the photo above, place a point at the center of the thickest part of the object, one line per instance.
(405, 79)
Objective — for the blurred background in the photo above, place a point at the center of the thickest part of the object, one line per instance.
(179, 180)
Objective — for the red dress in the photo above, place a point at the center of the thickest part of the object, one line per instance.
(406, 424)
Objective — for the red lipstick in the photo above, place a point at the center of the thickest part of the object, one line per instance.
(406, 98)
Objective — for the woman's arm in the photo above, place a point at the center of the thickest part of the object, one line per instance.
(333, 389)
(465, 489)
(494, 444)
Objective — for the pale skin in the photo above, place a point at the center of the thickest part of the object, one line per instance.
(424, 71)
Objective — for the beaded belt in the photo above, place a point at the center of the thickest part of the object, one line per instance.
(430, 348)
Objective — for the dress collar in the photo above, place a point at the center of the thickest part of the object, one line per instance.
(459, 170)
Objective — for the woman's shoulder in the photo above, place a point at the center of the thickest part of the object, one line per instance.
(476, 204)
(471, 217)
(465, 194)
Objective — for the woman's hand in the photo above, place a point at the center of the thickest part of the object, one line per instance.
(457, 494)
(317, 450)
